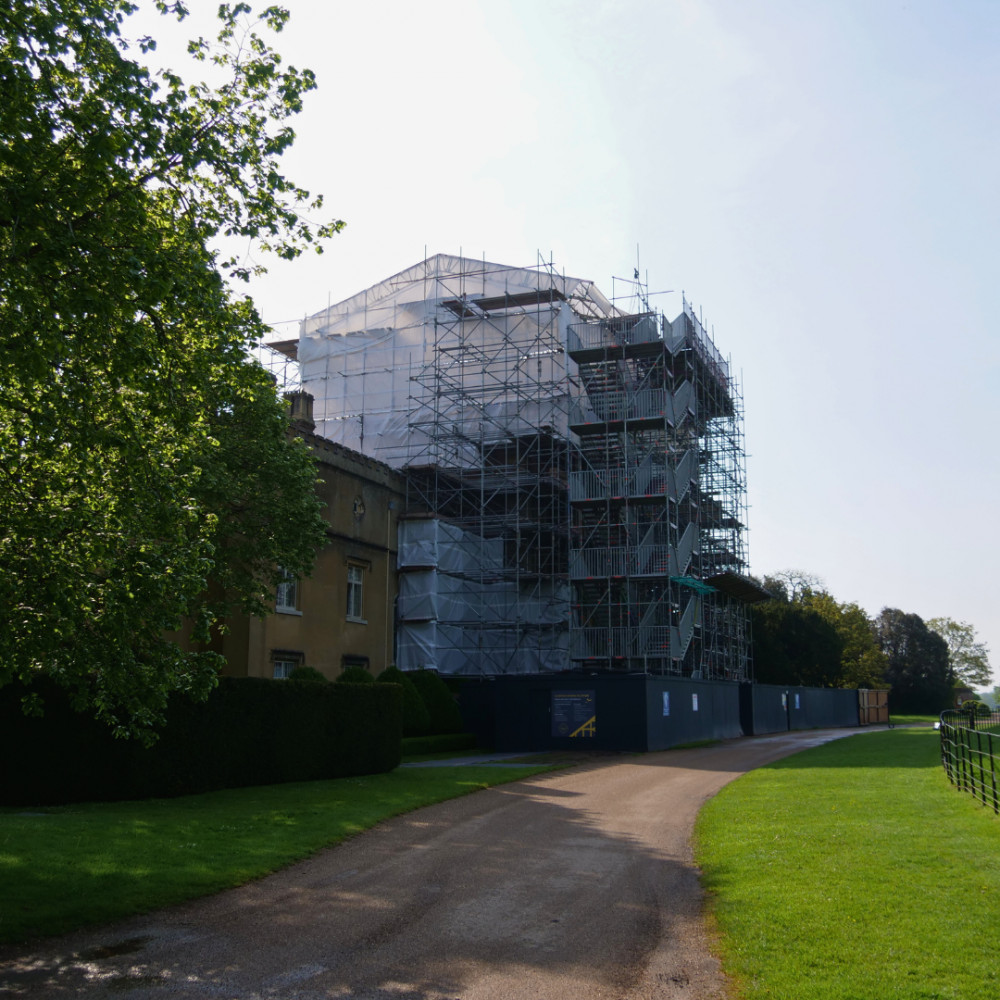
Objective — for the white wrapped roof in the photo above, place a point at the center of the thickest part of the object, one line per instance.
(391, 361)
(395, 303)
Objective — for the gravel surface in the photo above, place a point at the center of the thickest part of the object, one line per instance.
(577, 884)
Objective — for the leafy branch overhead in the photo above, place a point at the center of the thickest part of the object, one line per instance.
(148, 479)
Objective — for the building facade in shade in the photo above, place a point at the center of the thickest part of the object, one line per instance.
(342, 614)
(575, 487)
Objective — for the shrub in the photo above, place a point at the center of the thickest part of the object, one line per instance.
(354, 675)
(304, 673)
(441, 704)
(972, 705)
(416, 718)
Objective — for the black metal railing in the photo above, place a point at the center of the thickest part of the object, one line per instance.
(970, 753)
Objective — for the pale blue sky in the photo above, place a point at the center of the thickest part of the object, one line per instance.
(821, 178)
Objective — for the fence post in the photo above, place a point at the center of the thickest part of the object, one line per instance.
(947, 760)
(960, 757)
(964, 763)
(993, 773)
(981, 793)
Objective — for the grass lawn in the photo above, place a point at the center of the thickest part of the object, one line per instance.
(853, 871)
(914, 720)
(72, 866)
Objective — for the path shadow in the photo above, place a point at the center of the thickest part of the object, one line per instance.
(522, 880)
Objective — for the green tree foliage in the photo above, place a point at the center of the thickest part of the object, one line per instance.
(969, 658)
(918, 668)
(793, 644)
(793, 640)
(791, 584)
(896, 649)
(862, 663)
(146, 473)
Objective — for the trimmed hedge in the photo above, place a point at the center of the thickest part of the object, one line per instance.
(974, 706)
(354, 675)
(440, 702)
(250, 731)
(304, 673)
(416, 718)
(417, 746)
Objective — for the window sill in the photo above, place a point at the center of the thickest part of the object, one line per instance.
(357, 621)
(288, 611)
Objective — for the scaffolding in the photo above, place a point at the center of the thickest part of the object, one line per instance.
(280, 363)
(575, 474)
(658, 499)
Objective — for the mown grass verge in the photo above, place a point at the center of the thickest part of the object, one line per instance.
(853, 871)
(914, 720)
(419, 746)
(66, 867)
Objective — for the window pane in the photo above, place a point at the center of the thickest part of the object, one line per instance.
(355, 587)
(288, 592)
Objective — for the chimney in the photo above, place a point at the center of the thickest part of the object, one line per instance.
(300, 411)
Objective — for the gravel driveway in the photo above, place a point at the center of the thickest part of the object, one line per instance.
(574, 885)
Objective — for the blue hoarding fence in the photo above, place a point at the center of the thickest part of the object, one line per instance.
(641, 712)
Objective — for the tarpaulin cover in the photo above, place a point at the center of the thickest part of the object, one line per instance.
(433, 543)
(374, 362)
(451, 649)
(427, 595)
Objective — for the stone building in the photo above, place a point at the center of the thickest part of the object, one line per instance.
(343, 614)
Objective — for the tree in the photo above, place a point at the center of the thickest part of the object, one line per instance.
(969, 658)
(792, 644)
(862, 663)
(918, 670)
(791, 584)
(147, 476)
(787, 629)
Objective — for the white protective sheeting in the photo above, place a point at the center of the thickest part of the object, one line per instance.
(432, 543)
(360, 381)
(454, 650)
(374, 362)
(462, 611)
(430, 645)
(430, 595)
(431, 368)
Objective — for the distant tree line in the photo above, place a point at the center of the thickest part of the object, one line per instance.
(804, 636)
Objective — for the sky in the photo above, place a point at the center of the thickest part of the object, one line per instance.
(819, 178)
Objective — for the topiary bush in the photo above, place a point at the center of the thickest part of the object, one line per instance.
(972, 705)
(416, 718)
(440, 702)
(354, 675)
(305, 673)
